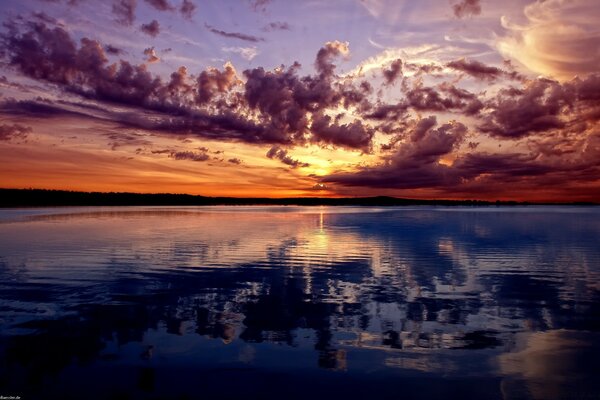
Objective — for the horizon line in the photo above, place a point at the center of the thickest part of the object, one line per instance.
(12, 198)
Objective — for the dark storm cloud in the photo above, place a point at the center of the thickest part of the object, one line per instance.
(382, 112)
(5, 82)
(281, 107)
(415, 163)
(325, 56)
(282, 101)
(235, 161)
(515, 113)
(280, 118)
(423, 69)
(285, 101)
(394, 71)
(506, 165)
(476, 69)
(467, 8)
(279, 99)
(445, 97)
(424, 98)
(417, 167)
(152, 28)
(469, 102)
(160, 5)
(428, 99)
(187, 9)
(224, 126)
(124, 10)
(234, 35)
(280, 154)
(553, 160)
(14, 131)
(39, 108)
(352, 95)
(51, 55)
(354, 135)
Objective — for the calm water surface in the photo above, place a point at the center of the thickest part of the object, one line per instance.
(300, 302)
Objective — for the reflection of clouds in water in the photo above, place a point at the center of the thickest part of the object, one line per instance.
(555, 364)
(413, 289)
(422, 362)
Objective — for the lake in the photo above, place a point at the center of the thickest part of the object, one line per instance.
(300, 302)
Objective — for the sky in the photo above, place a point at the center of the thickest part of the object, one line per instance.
(436, 99)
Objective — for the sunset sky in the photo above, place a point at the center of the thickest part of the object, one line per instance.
(449, 99)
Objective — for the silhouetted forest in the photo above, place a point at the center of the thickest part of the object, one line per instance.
(43, 197)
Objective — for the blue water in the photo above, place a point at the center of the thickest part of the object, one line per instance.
(300, 302)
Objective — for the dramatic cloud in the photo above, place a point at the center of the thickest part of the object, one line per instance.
(397, 120)
(560, 121)
(187, 9)
(40, 108)
(287, 103)
(124, 10)
(561, 38)
(280, 110)
(353, 135)
(51, 55)
(212, 82)
(151, 28)
(394, 71)
(467, 8)
(416, 162)
(283, 102)
(324, 62)
(277, 152)
(14, 131)
(476, 69)
(424, 98)
(234, 35)
(517, 113)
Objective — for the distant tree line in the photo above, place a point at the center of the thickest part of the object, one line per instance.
(44, 197)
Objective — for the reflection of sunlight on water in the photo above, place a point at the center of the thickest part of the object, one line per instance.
(446, 246)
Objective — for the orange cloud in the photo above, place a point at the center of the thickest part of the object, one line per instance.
(560, 39)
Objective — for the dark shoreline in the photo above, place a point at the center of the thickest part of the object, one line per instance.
(13, 198)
